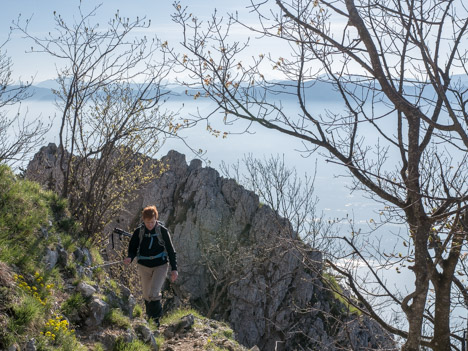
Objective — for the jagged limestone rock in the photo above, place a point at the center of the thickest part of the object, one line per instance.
(144, 330)
(44, 168)
(62, 255)
(85, 289)
(97, 311)
(83, 256)
(238, 260)
(31, 345)
(50, 259)
(184, 324)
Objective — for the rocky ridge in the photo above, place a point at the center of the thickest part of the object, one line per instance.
(240, 262)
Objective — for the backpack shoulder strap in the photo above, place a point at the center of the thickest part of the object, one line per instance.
(160, 236)
(141, 232)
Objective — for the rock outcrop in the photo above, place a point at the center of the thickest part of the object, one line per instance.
(240, 262)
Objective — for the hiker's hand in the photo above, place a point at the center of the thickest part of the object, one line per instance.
(127, 260)
(174, 275)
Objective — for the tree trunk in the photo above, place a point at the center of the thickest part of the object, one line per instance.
(441, 339)
(415, 311)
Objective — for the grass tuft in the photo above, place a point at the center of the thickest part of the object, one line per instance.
(26, 315)
(74, 304)
(178, 314)
(138, 311)
(116, 318)
(136, 345)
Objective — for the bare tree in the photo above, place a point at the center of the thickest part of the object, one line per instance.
(18, 136)
(110, 97)
(400, 132)
(290, 196)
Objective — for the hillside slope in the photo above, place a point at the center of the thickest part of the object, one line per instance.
(239, 261)
(55, 296)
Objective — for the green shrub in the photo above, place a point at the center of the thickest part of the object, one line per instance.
(24, 208)
(23, 204)
(26, 314)
(71, 270)
(74, 304)
(69, 225)
(97, 258)
(116, 318)
(138, 311)
(68, 242)
(57, 334)
(337, 291)
(59, 206)
(137, 345)
(98, 347)
(228, 333)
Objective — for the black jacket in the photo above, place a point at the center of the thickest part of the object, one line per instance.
(155, 249)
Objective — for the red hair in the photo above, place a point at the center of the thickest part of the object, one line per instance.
(150, 212)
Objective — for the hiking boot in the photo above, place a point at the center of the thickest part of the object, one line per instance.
(155, 311)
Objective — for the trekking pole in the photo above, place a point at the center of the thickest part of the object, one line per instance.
(103, 265)
(121, 233)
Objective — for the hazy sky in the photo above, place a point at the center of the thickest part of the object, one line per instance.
(42, 21)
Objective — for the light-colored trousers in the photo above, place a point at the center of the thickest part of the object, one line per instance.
(152, 280)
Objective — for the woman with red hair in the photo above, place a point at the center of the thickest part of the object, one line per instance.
(152, 246)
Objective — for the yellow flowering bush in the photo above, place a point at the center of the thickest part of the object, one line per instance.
(57, 329)
(38, 289)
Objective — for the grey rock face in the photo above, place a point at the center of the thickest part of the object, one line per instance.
(238, 260)
(50, 259)
(62, 256)
(97, 311)
(144, 330)
(44, 168)
(234, 254)
(129, 299)
(31, 345)
(85, 289)
(83, 256)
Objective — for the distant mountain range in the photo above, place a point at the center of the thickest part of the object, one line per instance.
(286, 90)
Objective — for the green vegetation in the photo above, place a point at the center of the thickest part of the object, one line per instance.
(337, 291)
(160, 341)
(98, 347)
(68, 242)
(178, 314)
(214, 343)
(97, 258)
(74, 304)
(57, 335)
(29, 224)
(23, 210)
(137, 345)
(227, 333)
(26, 314)
(116, 318)
(35, 302)
(138, 311)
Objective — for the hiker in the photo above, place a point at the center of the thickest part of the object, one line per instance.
(152, 245)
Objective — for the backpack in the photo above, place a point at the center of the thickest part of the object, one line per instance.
(159, 237)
